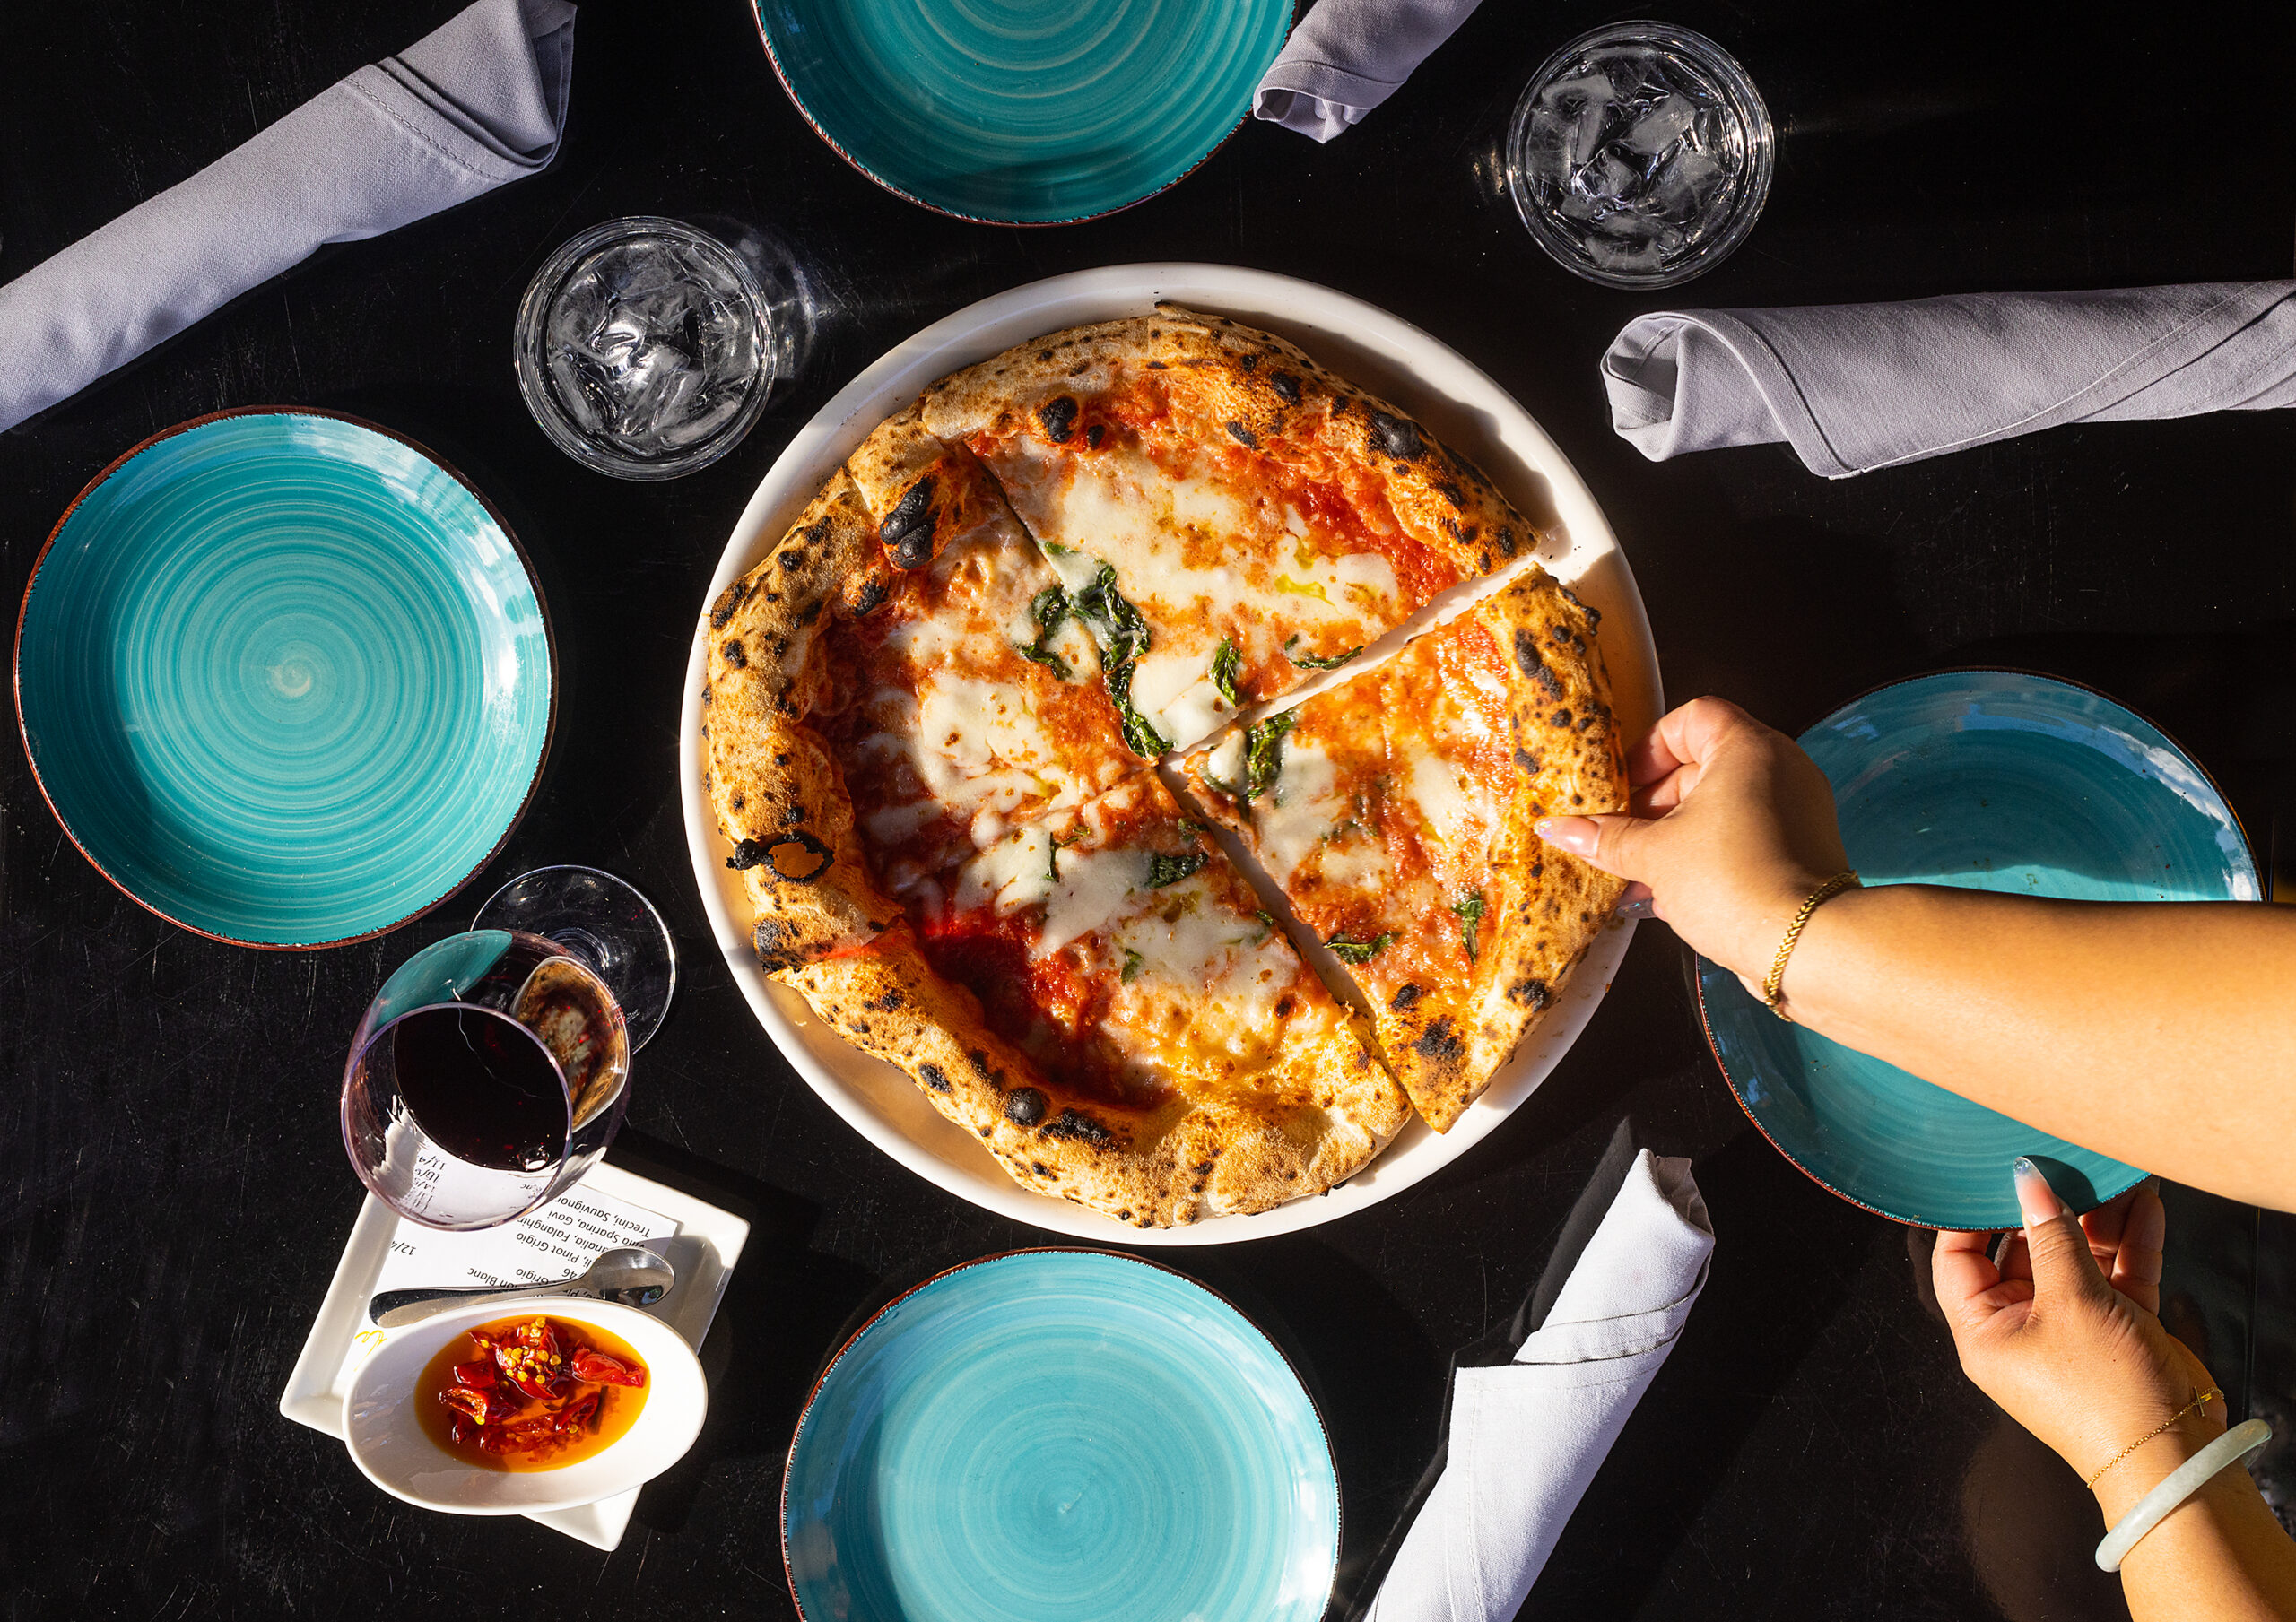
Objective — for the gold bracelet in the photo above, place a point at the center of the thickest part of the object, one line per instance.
(2195, 1406)
(1771, 994)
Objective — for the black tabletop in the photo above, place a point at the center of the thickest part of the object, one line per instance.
(173, 1195)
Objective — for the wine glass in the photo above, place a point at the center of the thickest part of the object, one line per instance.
(492, 1069)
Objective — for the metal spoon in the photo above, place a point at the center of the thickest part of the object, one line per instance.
(630, 1276)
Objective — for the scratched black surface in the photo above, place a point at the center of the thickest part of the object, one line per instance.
(172, 1190)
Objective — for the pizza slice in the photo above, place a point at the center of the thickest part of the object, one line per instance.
(886, 693)
(1396, 812)
(1098, 996)
(1225, 516)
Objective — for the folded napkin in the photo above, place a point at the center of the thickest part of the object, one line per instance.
(1527, 1435)
(481, 101)
(1858, 386)
(1347, 57)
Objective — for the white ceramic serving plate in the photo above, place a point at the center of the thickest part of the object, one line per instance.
(1386, 355)
(382, 1429)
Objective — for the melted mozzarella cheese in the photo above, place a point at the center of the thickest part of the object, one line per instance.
(1445, 803)
(975, 745)
(1013, 872)
(1185, 938)
(927, 641)
(1115, 517)
(1201, 503)
(1077, 569)
(896, 823)
(1369, 573)
(1073, 643)
(1194, 950)
(1175, 691)
(1223, 768)
(1346, 590)
(1093, 889)
(1355, 863)
(1303, 807)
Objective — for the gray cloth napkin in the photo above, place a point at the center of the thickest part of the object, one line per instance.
(1347, 57)
(479, 101)
(1857, 386)
(1527, 1435)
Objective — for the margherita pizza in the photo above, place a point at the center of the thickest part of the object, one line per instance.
(935, 718)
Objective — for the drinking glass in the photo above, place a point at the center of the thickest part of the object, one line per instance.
(645, 348)
(493, 1068)
(1640, 155)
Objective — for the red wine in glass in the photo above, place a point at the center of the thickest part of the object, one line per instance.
(488, 1074)
(479, 1089)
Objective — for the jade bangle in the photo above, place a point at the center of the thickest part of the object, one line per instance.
(2183, 1481)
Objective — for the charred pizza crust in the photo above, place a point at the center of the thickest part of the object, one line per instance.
(1548, 905)
(776, 791)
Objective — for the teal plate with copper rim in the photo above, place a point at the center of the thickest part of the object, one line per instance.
(285, 679)
(1986, 779)
(1060, 1435)
(1023, 112)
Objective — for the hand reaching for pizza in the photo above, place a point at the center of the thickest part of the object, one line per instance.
(1731, 827)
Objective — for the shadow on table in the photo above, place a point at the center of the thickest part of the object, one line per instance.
(1758, 1315)
(1373, 1373)
(783, 1305)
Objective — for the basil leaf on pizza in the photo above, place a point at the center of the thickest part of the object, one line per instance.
(1315, 661)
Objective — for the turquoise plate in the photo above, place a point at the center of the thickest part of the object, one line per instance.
(1023, 112)
(1058, 1435)
(284, 678)
(1990, 780)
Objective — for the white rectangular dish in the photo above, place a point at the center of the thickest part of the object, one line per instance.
(704, 1248)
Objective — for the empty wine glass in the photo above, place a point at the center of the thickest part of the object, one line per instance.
(493, 1068)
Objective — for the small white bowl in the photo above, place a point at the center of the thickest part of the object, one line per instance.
(388, 1442)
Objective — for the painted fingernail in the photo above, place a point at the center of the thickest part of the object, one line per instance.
(1573, 834)
(2035, 1198)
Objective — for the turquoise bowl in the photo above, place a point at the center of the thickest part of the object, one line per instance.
(284, 678)
(1060, 1435)
(1993, 780)
(1023, 112)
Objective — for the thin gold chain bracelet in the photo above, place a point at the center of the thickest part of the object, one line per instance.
(1772, 994)
(2193, 1407)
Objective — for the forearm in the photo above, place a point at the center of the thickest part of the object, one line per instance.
(2220, 1557)
(2161, 1035)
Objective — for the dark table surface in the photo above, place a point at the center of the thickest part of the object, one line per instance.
(173, 1195)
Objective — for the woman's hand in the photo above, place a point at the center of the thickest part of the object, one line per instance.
(1731, 826)
(2063, 1334)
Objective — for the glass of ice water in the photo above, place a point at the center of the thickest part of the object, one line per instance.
(644, 348)
(1640, 155)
